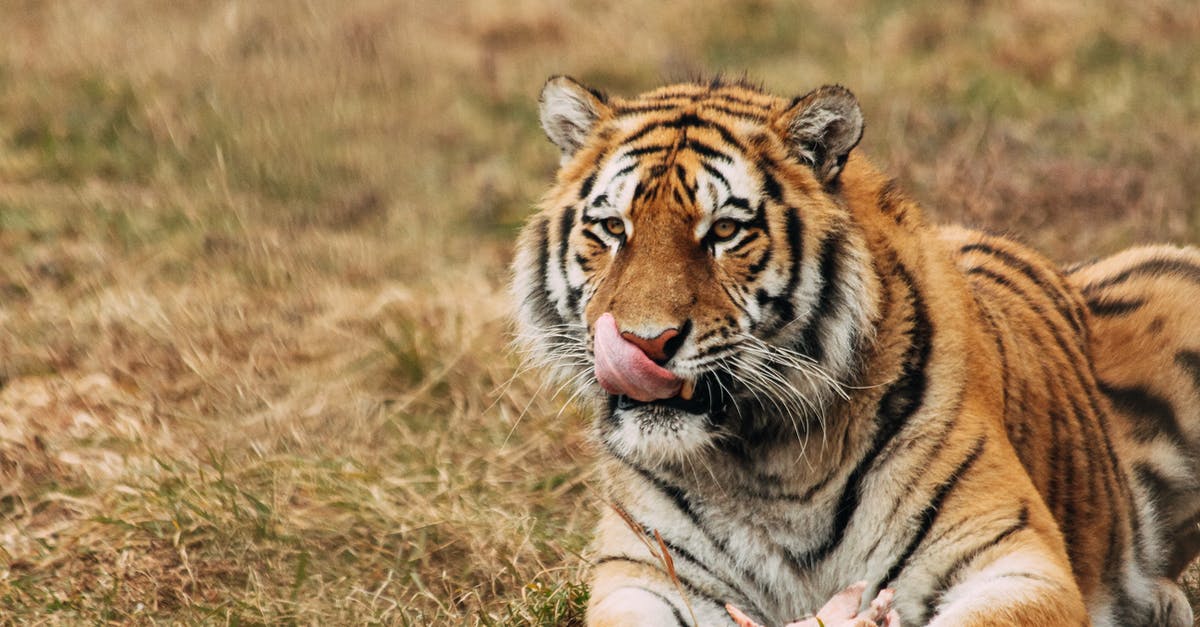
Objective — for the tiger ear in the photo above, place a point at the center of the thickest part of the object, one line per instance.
(569, 111)
(821, 128)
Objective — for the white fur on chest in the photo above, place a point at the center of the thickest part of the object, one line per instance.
(754, 542)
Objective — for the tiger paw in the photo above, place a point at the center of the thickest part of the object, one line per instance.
(841, 611)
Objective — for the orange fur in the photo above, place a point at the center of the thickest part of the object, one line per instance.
(962, 446)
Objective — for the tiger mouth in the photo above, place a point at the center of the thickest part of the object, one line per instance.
(701, 396)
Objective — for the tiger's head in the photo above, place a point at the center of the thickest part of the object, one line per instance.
(695, 264)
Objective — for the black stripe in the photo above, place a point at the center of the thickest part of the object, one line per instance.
(585, 189)
(1080, 265)
(748, 239)
(771, 186)
(726, 136)
(829, 269)
(1082, 370)
(1062, 302)
(1152, 415)
(931, 512)
(715, 173)
(790, 497)
(907, 393)
(1115, 482)
(1074, 352)
(1153, 267)
(741, 113)
(1054, 487)
(583, 262)
(964, 560)
(760, 215)
(1001, 352)
(1096, 424)
(738, 201)
(645, 150)
(719, 350)
(1190, 361)
(1063, 471)
(757, 267)
(903, 398)
(681, 174)
(574, 294)
(722, 94)
(677, 102)
(692, 588)
(1038, 577)
(674, 610)
(795, 237)
(1125, 610)
(565, 223)
(539, 297)
(684, 93)
(1152, 481)
(642, 189)
(704, 149)
(889, 199)
(681, 501)
(638, 109)
(543, 245)
(737, 303)
(625, 170)
(1112, 307)
(912, 478)
(1070, 427)
(595, 238)
(759, 221)
(685, 121)
(1187, 542)
(1093, 469)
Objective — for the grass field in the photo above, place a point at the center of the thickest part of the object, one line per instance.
(254, 360)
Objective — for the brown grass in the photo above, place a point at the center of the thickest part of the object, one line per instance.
(253, 334)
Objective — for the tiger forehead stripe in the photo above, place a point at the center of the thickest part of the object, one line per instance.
(731, 108)
(685, 120)
(722, 174)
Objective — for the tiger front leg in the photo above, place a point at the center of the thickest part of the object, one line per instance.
(632, 592)
(634, 605)
(631, 585)
(1023, 588)
(841, 611)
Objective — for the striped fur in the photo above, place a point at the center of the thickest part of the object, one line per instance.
(939, 411)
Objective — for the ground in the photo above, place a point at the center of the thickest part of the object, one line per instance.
(254, 361)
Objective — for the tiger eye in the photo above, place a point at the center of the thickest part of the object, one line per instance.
(724, 228)
(614, 226)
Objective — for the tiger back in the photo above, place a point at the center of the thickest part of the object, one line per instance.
(800, 384)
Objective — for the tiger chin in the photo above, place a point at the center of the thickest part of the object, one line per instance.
(799, 383)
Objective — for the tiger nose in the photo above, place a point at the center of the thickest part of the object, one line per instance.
(660, 348)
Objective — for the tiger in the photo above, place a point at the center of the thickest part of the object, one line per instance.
(799, 382)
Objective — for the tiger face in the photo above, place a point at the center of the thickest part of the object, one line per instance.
(693, 263)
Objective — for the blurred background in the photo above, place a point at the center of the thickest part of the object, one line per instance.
(253, 255)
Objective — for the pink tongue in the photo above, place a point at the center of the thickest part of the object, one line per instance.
(622, 367)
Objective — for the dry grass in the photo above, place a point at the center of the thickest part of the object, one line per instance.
(253, 361)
